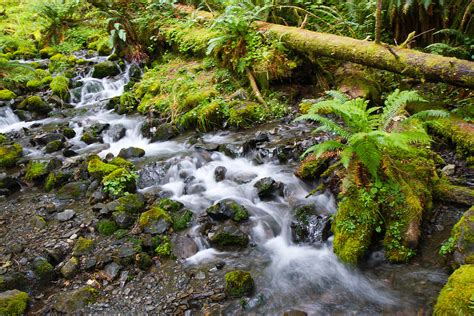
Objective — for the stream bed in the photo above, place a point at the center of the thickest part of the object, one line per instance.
(289, 274)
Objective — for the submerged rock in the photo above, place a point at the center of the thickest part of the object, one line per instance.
(219, 173)
(310, 227)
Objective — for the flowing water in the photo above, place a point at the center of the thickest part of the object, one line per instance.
(288, 275)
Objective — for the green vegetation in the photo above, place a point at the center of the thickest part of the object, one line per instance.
(106, 227)
(9, 155)
(120, 182)
(36, 170)
(456, 296)
(83, 246)
(13, 303)
(164, 249)
(238, 283)
(60, 87)
(99, 169)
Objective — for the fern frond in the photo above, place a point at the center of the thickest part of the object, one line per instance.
(327, 125)
(367, 151)
(429, 114)
(322, 148)
(338, 95)
(395, 103)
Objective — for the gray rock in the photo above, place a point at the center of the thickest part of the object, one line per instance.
(267, 188)
(131, 152)
(449, 170)
(70, 268)
(184, 247)
(111, 270)
(123, 219)
(219, 173)
(71, 301)
(65, 215)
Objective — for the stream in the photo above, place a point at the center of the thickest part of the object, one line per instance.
(288, 275)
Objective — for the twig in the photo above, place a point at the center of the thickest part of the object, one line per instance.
(254, 86)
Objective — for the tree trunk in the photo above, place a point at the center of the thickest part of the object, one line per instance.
(378, 22)
(408, 62)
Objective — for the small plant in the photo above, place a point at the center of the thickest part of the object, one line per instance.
(119, 182)
(164, 248)
(447, 247)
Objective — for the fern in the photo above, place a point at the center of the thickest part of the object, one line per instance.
(395, 103)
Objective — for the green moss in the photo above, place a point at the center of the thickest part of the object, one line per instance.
(131, 203)
(238, 283)
(60, 87)
(54, 146)
(7, 95)
(119, 182)
(121, 162)
(36, 170)
(106, 227)
(458, 131)
(181, 219)
(240, 212)
(246, 114)
(3, 139)
(169, 205)
(154, 214)
(446, 192)
(461, 240)
(99, 169)
(105, 69)
(127, 103)
(457, 296)
(83, 246)
(188, 39)
(47, 52)
(223, 239)
(9, 155)
(13, 303)
(164, 249)
(43, 269)
(312, 167)
(143, 261)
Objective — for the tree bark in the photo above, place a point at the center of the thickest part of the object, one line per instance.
(378, 22)
(408, 62)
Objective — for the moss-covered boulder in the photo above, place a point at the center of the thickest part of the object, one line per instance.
(83, 246)
(36, 171)
(461, 242)
(312, 167)
(228, 209)
(246, 114)
(47, 52)
(105, 69)
(73, 190)
(238, 283)
(13, 303)
(72, 302)
(229, 237)
(122, 162)
(60, 87)
(155, 221)
(53, 146)
(446, 192)
(106, 227)
(9, 155)
(180, 216)
(35, 104)
(131, 203)
(7, 95)
(43, 270)
(127, 104)
(457, 295)
(99, 169)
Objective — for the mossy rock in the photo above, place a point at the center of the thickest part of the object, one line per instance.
(127, 104)
(131, 203)
(43, 269)
(56, 179)
(446, 192)
(312, 167)
(180, 217)
(120, 182)
(13, 302)
(90, 137)
(99, 169)
(457, 296)
(170, 206)
(73, 190)
(53, 146)
(122, 162)
(228, 209)
(7, 95)
(60, 87)
(74, 301)
(105, 69)
(246, 114)
(461, 241)
(35, 104)
(83, 246)
(106, 227)
(47, 52)
(155, 221)
(9, 155)
(238, 283)
(36, 170)
(164, 249)
(229, 237)
(143, 260)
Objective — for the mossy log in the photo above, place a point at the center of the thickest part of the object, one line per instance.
(403, 61)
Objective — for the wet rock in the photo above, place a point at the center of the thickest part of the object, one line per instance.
(310, 227)
(267, 188)
(229, 150)
(228, 236)
(151, 174)
(90, 137)
(159, 132)
(65, 215)
(251, 144)
(194, 188)
(13, 302)
(111, 270)
(243, 177)
(449, 170)
(73, 190)
(9, 184)
(54, 146)
(131, 152)
(155, 221)
(219, 173)
(70, 268)
(105, 69)
(38, 222)
(123, 219)
(43, 270)
(69, 153)
(184, 247)
(238, 283)
(46, 138)
(69, 133)
(227, 209)
(117, 132)
(72, 301)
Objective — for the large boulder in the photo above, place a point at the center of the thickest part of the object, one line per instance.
(155, 221)
(238, 283)
(227, 209)
(461, 242)
(73, 301)
(105, 69)
(228, 237)
(456, 296)
(9, 155)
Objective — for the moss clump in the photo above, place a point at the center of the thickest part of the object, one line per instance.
(457, 296)
(43, 269)
(131, 203)
(9, 155)
(13, 303)
(169, 205)
(7, 95)
(122, 162)
(143, 260)
(83, 246)
(36, 170)
(60, 87)
(47, 52)
(164, 249)
(54, 146)
(127, 104)
(458, 131)
(461, 241)
(238, 283)
(312, 167)
(99, 169)
(153, 215)
(3, 139)
(106, 227)
(245, 114)
(226, 238)
(55, 180)
(105, 69)
(181, 219)
(69, 132)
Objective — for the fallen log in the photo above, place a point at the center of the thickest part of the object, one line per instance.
(403, 61)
